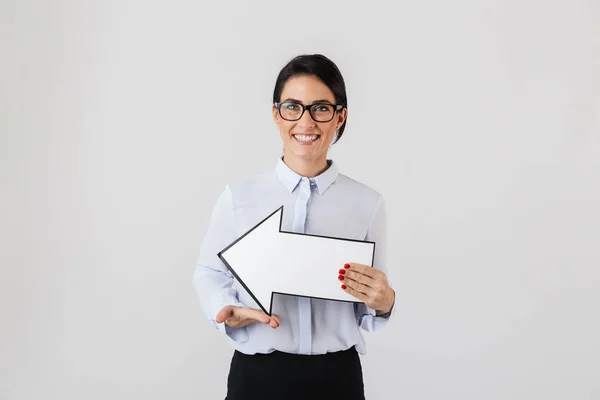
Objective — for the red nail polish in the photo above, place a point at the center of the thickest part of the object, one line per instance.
(342, 271)
(343, 286)
(346, 266)
(341, 278)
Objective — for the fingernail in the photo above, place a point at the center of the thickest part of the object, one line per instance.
(342, 271)
(346, 266)
(341, 278)
(343, 286)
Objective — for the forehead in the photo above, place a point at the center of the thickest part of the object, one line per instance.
(306, 89)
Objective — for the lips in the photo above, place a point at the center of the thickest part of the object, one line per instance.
(306, 138)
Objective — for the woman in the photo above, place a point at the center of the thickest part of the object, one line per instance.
(308, 348)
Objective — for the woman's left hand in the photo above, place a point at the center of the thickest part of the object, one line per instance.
(369, 285)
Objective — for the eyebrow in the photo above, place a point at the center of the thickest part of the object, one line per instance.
(314, 102)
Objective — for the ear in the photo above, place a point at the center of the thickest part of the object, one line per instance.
(342, 115)
(275, 114)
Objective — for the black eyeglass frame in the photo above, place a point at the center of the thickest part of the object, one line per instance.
(337, 107)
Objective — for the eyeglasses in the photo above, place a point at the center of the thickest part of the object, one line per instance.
(320, 112)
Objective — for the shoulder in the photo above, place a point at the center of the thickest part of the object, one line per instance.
(251, 182)
(250, 188)
(358, 189)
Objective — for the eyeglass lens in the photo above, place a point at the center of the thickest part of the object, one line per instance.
(319, 112)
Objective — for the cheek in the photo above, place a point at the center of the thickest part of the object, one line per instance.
(285, 127)
(329, 130)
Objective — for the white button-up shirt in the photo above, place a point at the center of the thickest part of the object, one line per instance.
(330, 204)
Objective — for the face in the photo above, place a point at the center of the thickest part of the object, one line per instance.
(307, 139)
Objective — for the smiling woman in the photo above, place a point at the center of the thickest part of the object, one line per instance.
(303, 349)
(313, 84)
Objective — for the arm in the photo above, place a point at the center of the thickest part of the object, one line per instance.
(211, 279)
(369, 319)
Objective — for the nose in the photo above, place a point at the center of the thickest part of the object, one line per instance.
(307, 120)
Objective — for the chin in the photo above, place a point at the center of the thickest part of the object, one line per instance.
(305, 151)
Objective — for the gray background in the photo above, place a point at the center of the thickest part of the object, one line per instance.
(121, 122)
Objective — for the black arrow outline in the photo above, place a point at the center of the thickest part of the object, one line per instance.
(230, 268)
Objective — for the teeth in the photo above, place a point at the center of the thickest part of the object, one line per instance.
(306, 138)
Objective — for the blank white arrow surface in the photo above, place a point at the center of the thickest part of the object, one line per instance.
(266, 261)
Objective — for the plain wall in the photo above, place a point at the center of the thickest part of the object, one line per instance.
(121, 122)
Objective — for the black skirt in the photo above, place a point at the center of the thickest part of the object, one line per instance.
(283, 376)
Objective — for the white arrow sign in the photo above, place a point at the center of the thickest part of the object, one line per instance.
(267, 260)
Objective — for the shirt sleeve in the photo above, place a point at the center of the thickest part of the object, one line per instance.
(366, 317)
(212, 281)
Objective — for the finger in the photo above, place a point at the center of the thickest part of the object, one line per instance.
(224, 313)
(356, 276)
(277, 319)
(257, 315)
(362, 269)
(273, 323)
(360, 287)
(252, 314)
(359, 295)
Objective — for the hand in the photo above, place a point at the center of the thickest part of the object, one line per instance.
(238, 317)
(369, 285)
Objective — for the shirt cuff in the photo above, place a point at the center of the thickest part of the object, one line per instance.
(239, 335)
(370, 322)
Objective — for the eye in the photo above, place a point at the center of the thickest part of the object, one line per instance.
(291, 106)
(322, 108)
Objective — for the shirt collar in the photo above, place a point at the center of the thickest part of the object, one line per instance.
(290, 178)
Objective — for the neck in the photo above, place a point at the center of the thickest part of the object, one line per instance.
(306, 168)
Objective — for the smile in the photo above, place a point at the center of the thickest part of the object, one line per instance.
(306, 138)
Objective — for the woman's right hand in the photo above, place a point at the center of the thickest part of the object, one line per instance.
(237, 317)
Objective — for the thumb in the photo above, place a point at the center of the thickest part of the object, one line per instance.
(224, 313)
(254, 314)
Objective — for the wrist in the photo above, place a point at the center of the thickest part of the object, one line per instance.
(391, 300)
